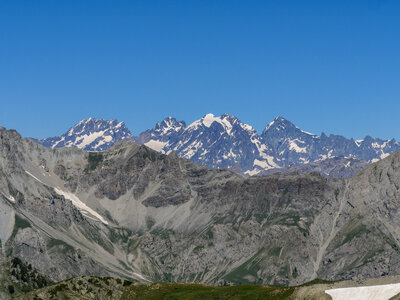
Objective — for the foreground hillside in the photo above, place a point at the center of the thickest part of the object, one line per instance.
(109, 288)
(113, 289)
(133, 213)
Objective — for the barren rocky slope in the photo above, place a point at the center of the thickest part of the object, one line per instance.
(336, 167)
(134, 213)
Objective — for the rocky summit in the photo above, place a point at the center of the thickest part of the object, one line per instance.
(91, 135)
(226, 142)
(138, 214)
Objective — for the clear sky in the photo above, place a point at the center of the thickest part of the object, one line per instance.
(331, 66)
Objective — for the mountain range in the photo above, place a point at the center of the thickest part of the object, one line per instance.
(226, 142)
(135, 213)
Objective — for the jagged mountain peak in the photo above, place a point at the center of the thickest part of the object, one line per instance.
(279, 122)
(91, 134)
(208, 119)
(224, 141)
(226, 121)
(170, 124)
(283, 126)
(95, 124)
(215, 141)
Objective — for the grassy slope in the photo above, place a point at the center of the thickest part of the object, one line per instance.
(111, 288)
(199, 291)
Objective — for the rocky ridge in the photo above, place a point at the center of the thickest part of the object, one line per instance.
(225, 142)
(91, 135)
(134, 213)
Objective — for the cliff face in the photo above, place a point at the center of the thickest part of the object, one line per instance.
(132, 212)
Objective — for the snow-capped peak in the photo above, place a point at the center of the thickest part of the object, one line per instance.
(209, 119)
(91, 134)
(224, 141)
(170, 124)
(280, 124)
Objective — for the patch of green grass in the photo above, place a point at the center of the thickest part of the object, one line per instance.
(249, 268)
(20, 223)
(66, 248)
(102, 288)
(274, 251)
(210, 234)
(197, 249)
(120, 235)
(361, 260)
(189, 291)
(163, 233)
(318, 281)
(354, 228)
(58, 288)
(95, 236)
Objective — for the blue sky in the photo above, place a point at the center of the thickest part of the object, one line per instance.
(331, 66)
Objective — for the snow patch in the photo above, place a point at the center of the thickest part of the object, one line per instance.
(9, 198)
(87, 139)
(293, 146)
(80, 205)
(156, 145)
(383, 155)
(34, 177)
(377, 292)
(306, 132)
(247, 127)
(270, 125)
(252, 172)
(207, 121)
(358, 142)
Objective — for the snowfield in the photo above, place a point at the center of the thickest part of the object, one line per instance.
(376, 292)
(86, 210)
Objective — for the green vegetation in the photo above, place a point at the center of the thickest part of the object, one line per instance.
(25, 277)
(20, 223)
(94, 159)
(108, 288)
(274, 251)
(198, 248)
(150, 154)
(210, 234)
(65, 248)
(120, 235)
(190, 291)
(354, 228)
(94, 235)
(249, 268)
(318, 281)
